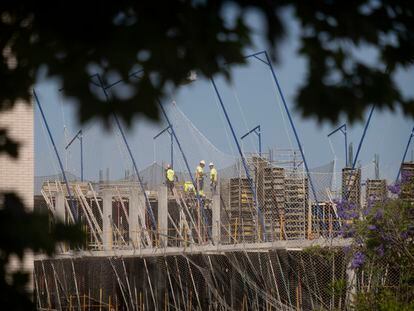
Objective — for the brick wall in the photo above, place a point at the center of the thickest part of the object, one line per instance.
(18, 174)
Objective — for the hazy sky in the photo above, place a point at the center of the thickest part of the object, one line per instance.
(252, 99)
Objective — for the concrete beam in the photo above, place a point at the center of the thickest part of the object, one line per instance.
(107, 219)
(287, 245)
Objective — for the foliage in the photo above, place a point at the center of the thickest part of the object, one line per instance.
(383, 255)
(22, 231)
(72, 40)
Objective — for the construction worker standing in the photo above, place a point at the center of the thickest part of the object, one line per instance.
(169, 178)
(200, 177)
(213, 178)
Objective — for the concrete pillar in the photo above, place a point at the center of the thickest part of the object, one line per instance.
(351, 285)
(163, 215)
(60, 207)
(136, 216)
(107, 219)
(216, 218)
(60, 215)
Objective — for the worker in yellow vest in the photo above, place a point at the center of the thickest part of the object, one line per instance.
(213, 178)
(170, 177)
(199, 176)
(189, 187)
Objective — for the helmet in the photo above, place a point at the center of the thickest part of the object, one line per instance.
(203, 162)
(211, 164)
(168, 166)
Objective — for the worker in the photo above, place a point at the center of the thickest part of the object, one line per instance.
(200, 177)
(213, 178)
(170, 177)
(189, 187)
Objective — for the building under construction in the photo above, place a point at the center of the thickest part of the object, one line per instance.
(241, 247)
(256, 242)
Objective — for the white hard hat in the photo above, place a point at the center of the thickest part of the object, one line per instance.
(168, 165)
(211, 164)
(203, 162)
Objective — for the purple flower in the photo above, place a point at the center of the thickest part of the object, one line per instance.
(372, 227)
(404, 235)
(380, 250)
(406, 177)
(395, 189)
(358, 260)
(347, 231)
(347, 249)
(379, 213)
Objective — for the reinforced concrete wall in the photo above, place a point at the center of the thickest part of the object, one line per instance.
(267, 280)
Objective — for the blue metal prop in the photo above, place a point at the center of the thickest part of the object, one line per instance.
(405, 153)
(363, 136)
(72, 208)
(200, 202)
(258, 132)
(259, 213)
(169, 131)
(289, 117)
(149, 208)
(342, 129)
(78, 136)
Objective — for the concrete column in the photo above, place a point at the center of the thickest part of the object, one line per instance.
(216, 218)
(60, 207)
(351, 285)
(60, 215)
(136, 216)
(163, 215)
(107, 219)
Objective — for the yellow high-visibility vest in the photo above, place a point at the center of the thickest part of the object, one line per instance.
(213, 175)
(199, 172)
(188, 186)
(170, 174)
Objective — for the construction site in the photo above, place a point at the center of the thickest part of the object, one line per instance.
(253, 240)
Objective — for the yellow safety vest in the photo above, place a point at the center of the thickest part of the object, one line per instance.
(170, 174)
(199, 172)
(213, 174)
(188, 186)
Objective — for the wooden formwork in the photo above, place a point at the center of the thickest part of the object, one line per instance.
(376, 190)
(407, 182)
(351, 185)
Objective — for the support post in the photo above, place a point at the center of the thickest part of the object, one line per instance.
(258, 133)
(351, 285)
(362, 138)
(60, 215)
(107, 219)
(136, 217)
(60, 207)
(216, 218)
(72, 207)
(168, 129)
(292, 125)
(405, 154)
(149, 209)
(199, 200)
(163, 215)
(246, 169)
(342, 129)
(81, 155)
